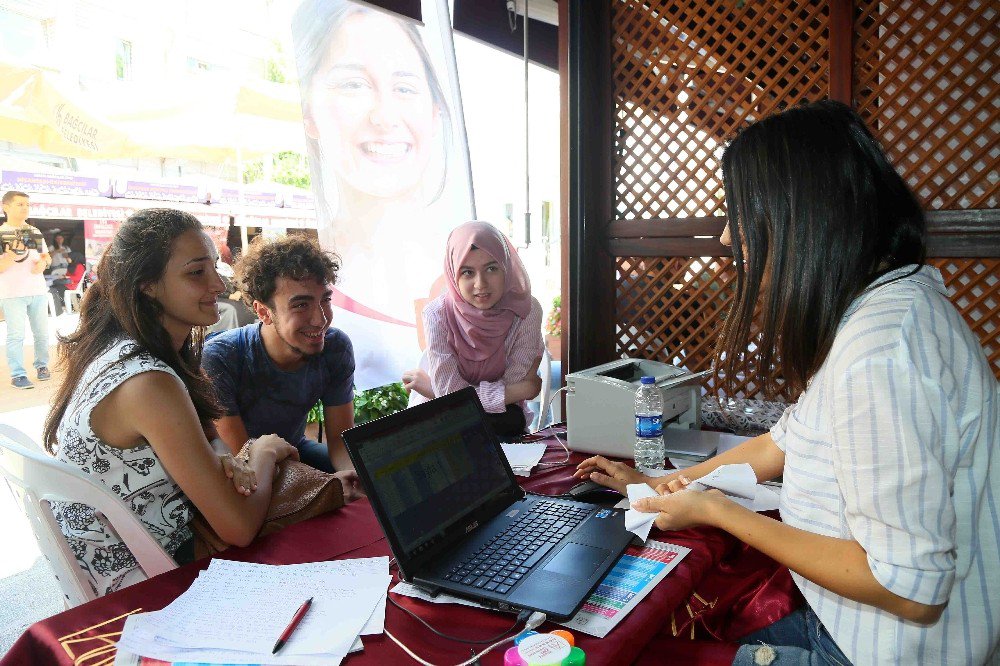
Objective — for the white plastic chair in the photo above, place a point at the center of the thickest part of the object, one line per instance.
(545, 367)
(71, 299)
(37, 480)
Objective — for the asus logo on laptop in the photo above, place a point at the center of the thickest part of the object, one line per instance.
(471, 527)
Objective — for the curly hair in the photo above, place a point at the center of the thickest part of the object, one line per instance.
(293, 257)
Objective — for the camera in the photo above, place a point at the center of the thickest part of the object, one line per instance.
(20, 242)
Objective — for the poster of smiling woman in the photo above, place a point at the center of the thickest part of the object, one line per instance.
(390, 165)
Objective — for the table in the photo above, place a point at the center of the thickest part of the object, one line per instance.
(353, 532)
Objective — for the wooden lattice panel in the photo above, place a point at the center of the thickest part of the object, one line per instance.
(974, 288)
(686, 74)
(671, 310)
(927, 80)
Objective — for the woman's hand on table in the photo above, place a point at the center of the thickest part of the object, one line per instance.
(352, 485)
(239, 472)
(681, 509)
(615, 475)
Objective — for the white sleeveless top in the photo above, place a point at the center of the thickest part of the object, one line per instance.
(135, 475)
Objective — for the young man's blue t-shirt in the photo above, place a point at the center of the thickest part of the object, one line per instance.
(269, 400)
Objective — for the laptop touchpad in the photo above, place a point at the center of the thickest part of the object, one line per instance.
(577, 561)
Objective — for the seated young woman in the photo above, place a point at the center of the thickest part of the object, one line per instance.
(134, 408)
(484, 331)
(889, 502)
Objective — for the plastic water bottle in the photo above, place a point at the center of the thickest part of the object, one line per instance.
(648, 425)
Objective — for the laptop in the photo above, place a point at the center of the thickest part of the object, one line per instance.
(457, 521)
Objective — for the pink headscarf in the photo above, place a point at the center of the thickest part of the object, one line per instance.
(478, 336)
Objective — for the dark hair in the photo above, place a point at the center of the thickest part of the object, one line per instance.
(816, 213)
(314, 24)
(115, 307)
(294, 257)
(9, 196)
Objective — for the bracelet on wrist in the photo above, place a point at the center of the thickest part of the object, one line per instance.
(244, 453)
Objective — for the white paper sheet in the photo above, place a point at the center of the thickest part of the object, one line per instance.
(523, 457)
(739, 483)
(637, 522)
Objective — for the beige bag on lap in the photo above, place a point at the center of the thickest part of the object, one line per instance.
(298, 493)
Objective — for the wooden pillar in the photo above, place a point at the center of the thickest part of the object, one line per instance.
(587, 132)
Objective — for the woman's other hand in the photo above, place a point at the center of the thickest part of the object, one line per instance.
(681, 510)
(419, 381)
(612, 474)
(239, 472)
(276, 446)
(352, 485)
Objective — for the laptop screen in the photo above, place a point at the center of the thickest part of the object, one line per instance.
(429, 474)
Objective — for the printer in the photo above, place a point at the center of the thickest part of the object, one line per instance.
(600, 409)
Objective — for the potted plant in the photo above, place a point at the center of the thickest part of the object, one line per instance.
(553, 329)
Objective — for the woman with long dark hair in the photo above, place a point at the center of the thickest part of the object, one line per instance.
(135, 407)
(889, 502)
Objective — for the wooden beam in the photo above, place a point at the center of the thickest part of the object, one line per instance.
(950, 233)
(667, 227)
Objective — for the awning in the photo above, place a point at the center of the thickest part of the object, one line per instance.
(39, 109)
(209, 119)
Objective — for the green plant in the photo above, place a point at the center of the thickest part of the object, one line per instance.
(378, 402)
(369, 405)
(287, 168)
(553, 323)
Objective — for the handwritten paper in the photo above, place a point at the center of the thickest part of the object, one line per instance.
(235, 611)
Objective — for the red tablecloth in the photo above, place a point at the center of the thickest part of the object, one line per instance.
(739, 590)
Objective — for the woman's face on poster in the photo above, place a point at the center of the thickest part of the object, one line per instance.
(371, 110)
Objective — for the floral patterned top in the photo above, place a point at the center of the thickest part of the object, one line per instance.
(135, 475)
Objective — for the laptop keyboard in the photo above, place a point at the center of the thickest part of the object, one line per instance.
(507, 557)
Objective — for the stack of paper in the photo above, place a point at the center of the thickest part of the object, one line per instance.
(523, 457)
(234, 613)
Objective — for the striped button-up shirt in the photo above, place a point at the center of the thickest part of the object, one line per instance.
(894, 445)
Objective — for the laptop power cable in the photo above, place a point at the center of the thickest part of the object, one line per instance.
(531, 619)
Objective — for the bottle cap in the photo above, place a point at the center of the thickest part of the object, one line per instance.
(648, 380)
(576, 658)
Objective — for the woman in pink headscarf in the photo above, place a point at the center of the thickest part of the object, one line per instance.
(484, 331)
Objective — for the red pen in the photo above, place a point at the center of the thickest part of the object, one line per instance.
(287, 633)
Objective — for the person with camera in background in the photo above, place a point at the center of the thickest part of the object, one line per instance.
(23, 257)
